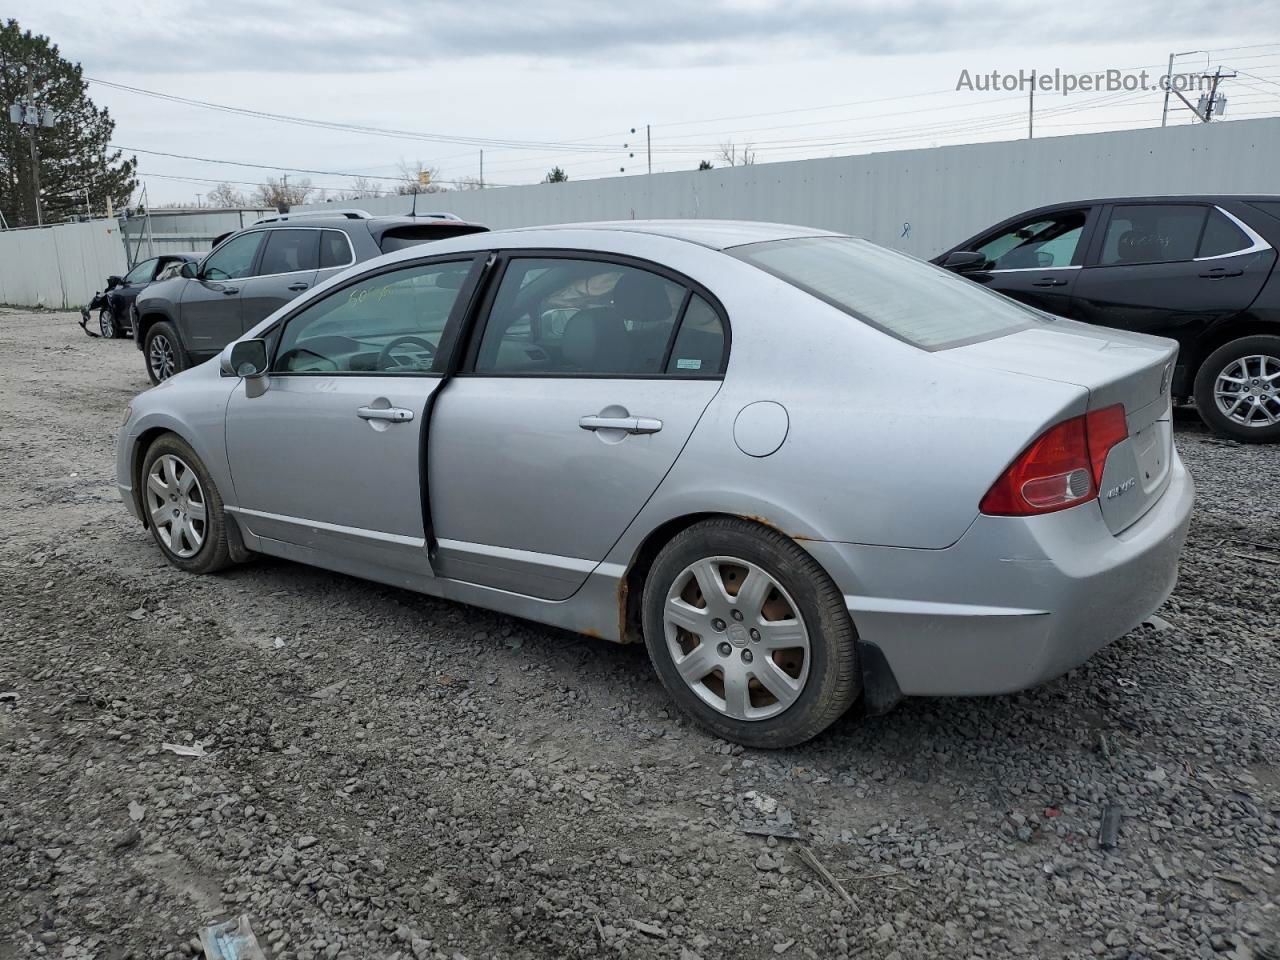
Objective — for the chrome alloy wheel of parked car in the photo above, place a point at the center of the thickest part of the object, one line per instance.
(693, 435)
(1247, 390)
(176, 505)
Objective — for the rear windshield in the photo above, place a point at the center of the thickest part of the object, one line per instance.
(907, 298)
(411, 234)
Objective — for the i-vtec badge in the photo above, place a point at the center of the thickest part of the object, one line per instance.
(1122, 488)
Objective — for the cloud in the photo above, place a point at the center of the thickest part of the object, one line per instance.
(344, 36)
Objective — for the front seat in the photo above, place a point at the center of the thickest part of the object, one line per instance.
(641, 299)
(596, 341)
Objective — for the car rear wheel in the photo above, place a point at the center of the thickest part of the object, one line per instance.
(1238, 389)
(183, 507)
(749, 635)
(163, 353)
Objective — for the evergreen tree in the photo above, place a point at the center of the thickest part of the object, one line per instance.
(75, 155)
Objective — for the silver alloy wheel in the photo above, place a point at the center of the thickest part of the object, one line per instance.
(106, 322)
(176, 503)
(1247, 390)
(736, 638)
(161, 353)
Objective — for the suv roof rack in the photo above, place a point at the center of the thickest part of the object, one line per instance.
(350, 214)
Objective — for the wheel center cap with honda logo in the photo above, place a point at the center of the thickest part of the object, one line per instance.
(738, 635)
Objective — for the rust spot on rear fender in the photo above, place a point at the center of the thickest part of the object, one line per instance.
(773, 526)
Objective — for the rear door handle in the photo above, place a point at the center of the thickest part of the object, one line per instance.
(297, 286)
(394, 414)
(1049, 282)
(1217, 273)
(629, 424)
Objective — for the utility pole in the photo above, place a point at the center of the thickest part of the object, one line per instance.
(648, 145)
(35, 150)
(482, 169)
(1211, 103)
(1031, 109)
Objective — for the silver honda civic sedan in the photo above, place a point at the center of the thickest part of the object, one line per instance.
(805, 471)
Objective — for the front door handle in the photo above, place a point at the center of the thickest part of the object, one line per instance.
(393, 414)
(297, 286)
(629, 424)
(1217, 273)
(230, 291)
(1049, 282)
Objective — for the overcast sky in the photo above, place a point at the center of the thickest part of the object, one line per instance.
(568, 79)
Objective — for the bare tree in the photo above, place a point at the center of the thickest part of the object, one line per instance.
(225, 195)
(419, 178)
(281, 194)
(361, 187)
(468, 183)
(736, 156)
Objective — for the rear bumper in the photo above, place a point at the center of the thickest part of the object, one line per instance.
(1016, 601)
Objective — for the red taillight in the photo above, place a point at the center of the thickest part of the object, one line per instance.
(1061, 469)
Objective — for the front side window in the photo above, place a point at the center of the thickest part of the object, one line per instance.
(1049, 241)
(1152, 233)
(905, 297)
(233, 259)
(391, 323)
(170, 269)
(290, 251)
(579, 317)
(142, 273)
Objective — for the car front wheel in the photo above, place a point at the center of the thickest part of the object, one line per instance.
(1237, 389)
(163, 353)
(107, 323)
(183, 507)
(749, 635)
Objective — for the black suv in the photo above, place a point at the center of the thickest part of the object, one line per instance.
(1198, 269)
(252, 272)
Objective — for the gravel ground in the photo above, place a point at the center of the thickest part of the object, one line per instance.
(392, 776)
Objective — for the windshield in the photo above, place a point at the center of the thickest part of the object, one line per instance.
(907, 298)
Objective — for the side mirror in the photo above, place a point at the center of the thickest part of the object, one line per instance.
(190, 270)
(964, 261)
(114, 281)
(244, 358)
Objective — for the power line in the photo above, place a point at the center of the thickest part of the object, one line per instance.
(271, 166)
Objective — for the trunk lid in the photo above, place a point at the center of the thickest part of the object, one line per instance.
(1114, 366)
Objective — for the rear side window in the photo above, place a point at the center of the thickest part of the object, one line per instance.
(1222, 237)
(290, 251)
(411, 234)
(1152, 233)
(335, 249)
(905, 297)
(699, 347)
(580, 318)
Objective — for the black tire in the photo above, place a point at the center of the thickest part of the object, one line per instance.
(1216, 364)
(163, 341)
(833, 683)
(213, 553)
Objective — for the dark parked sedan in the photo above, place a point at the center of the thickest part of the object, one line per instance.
(1198, 269)
(115, 304)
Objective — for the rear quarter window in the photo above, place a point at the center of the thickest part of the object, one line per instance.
(907, 298)
(411, 234)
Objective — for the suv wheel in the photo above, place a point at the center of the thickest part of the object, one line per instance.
(749, 635)
(1238, 389)
(163, 353)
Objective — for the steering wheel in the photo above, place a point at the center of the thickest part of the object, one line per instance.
(384, 357)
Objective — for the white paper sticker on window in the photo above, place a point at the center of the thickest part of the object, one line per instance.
(683, 364)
